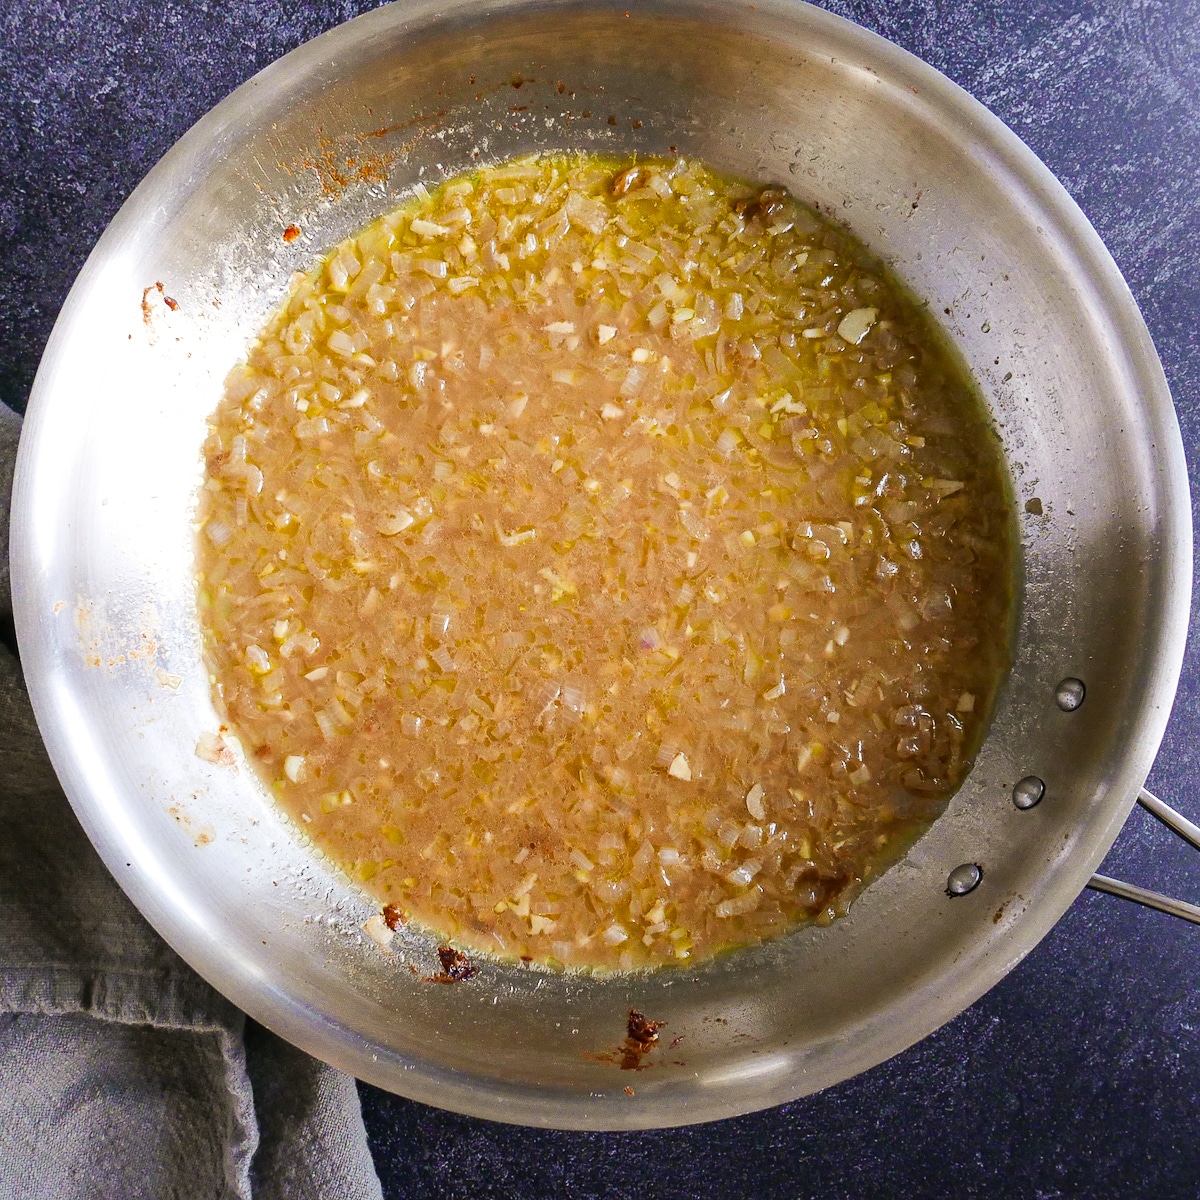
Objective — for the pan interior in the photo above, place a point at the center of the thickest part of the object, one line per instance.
(328, 138)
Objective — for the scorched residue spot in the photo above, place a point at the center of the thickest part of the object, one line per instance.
(456, 967)
(641, 1036)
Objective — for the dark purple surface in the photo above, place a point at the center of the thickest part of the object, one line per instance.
(1079, 1075)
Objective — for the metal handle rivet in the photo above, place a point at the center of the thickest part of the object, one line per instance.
(1028, 792)
(1069, 694)
(963, 879)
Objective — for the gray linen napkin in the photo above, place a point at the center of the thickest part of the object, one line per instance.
(122, 1073)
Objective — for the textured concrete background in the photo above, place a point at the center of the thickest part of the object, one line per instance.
(1079, 1075)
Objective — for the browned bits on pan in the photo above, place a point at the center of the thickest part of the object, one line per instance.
(625, 181)
(770, 202)
(393, 917)
(628, 1090)
(169, 301)
(641, 1030)
(291, 233)
(456, 966)
(641, 1037)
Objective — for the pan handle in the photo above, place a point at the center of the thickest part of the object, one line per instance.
(1190, 833)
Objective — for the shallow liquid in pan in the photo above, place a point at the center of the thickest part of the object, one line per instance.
(605, 564)
(326, 140)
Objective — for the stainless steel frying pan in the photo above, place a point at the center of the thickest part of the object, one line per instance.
(330, 136)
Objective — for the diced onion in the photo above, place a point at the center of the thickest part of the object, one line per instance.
(680, 768)
(754, 802)
(394, 523)
(377, 930)
(855, 325)
(211, 747)
(739, 905)
(744, 872)
(257, 659)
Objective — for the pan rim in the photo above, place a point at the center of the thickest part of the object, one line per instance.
(1172, 620)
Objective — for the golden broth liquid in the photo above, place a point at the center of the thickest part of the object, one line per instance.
(605, 565)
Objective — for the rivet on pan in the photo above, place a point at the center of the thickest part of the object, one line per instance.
(1069, 694)
(963, 879)
(1028, 792)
